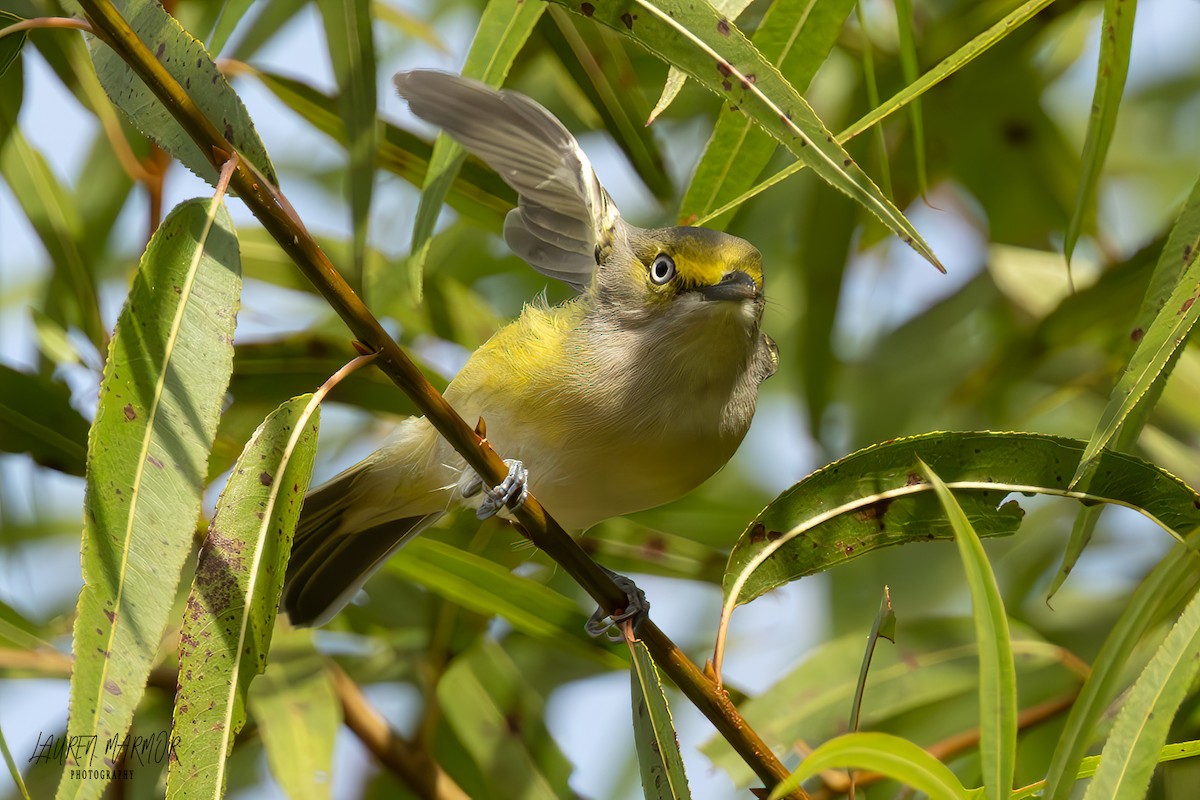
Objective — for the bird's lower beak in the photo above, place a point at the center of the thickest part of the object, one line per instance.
(733, 286)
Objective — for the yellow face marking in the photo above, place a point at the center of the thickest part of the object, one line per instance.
(702, 257)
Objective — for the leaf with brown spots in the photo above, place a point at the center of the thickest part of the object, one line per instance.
(185, 58)
(870, 500)
(232, 606)
(170, 360)
(685, 35)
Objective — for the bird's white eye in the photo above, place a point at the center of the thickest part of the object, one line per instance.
(663, 269)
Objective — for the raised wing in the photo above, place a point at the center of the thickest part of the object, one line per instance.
(563, 213)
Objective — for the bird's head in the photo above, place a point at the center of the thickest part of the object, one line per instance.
(697, 273)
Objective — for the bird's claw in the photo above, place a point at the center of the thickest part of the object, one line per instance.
(637, 609)
(510, 493)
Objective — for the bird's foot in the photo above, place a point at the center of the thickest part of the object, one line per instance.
(637, 609)
(510, 493)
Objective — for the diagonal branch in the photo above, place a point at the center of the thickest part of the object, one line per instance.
(272, 209)
(413, 764)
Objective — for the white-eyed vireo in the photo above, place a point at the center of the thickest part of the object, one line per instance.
(624, 398)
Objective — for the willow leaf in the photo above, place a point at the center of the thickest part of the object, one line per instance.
(160, 399)
(231, 609)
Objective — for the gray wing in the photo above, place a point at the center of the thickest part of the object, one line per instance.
(563, 213)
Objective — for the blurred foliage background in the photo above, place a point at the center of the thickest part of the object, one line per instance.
(874, 345)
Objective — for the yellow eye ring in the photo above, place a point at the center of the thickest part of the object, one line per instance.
(662, 269)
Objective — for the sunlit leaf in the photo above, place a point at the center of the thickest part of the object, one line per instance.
(796, 37)
(164, 381)
(487, 588)
(676, 78)
(1149, 366)
(1154, 597)
(231, 13)
(497, 717)
(877, 497)
(661, 764)
(352, 51)
(595, 58)
(190, 64)
(231, 609)
(1116, 41)
(298, 714)
(712, 51)
(13, 770)
(50, 210)
(934, 665)
(997, 674)
(947, 67)
(889, 755)
(1144, 721)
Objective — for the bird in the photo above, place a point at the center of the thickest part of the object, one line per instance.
(623, 398)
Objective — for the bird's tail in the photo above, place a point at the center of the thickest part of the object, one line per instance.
(332, 557)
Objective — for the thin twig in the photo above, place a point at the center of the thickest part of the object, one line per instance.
(412, 764)
(270, 207)
(45, 23)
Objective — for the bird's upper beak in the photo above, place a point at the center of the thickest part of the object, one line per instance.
(735, 285)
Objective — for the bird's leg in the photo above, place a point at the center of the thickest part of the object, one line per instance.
(637, 608)
(510, 493)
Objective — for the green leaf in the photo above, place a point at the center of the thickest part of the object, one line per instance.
(947, 67)
(934, 665)
(408, 24)
(885, 627)
(352, 51)
(889, 755)
(908, 63)
(36, 417)
(1169, 317)
(50, 210)
(231, 609)
(876, 497)
(487, 588)
(1116, 41)
(270, 19)
(190, 64)
(1144, 721)
(796, 36)
(825, 258)
(661, 764)
(497, 717)
(1154, 597)
(298, 713)
(478, 194)
(731, 10)
(17, 631)
(12, 767)
(596, 60)
(231, 13)
(502, 32)
(1169, 752)
(10, 46)
(695, 38)
(1157, 345)
(266, 371)
(997, 674)
(160, 399)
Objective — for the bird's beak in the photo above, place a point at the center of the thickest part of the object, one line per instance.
(733, 286)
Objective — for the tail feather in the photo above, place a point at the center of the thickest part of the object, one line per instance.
(336, 550)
